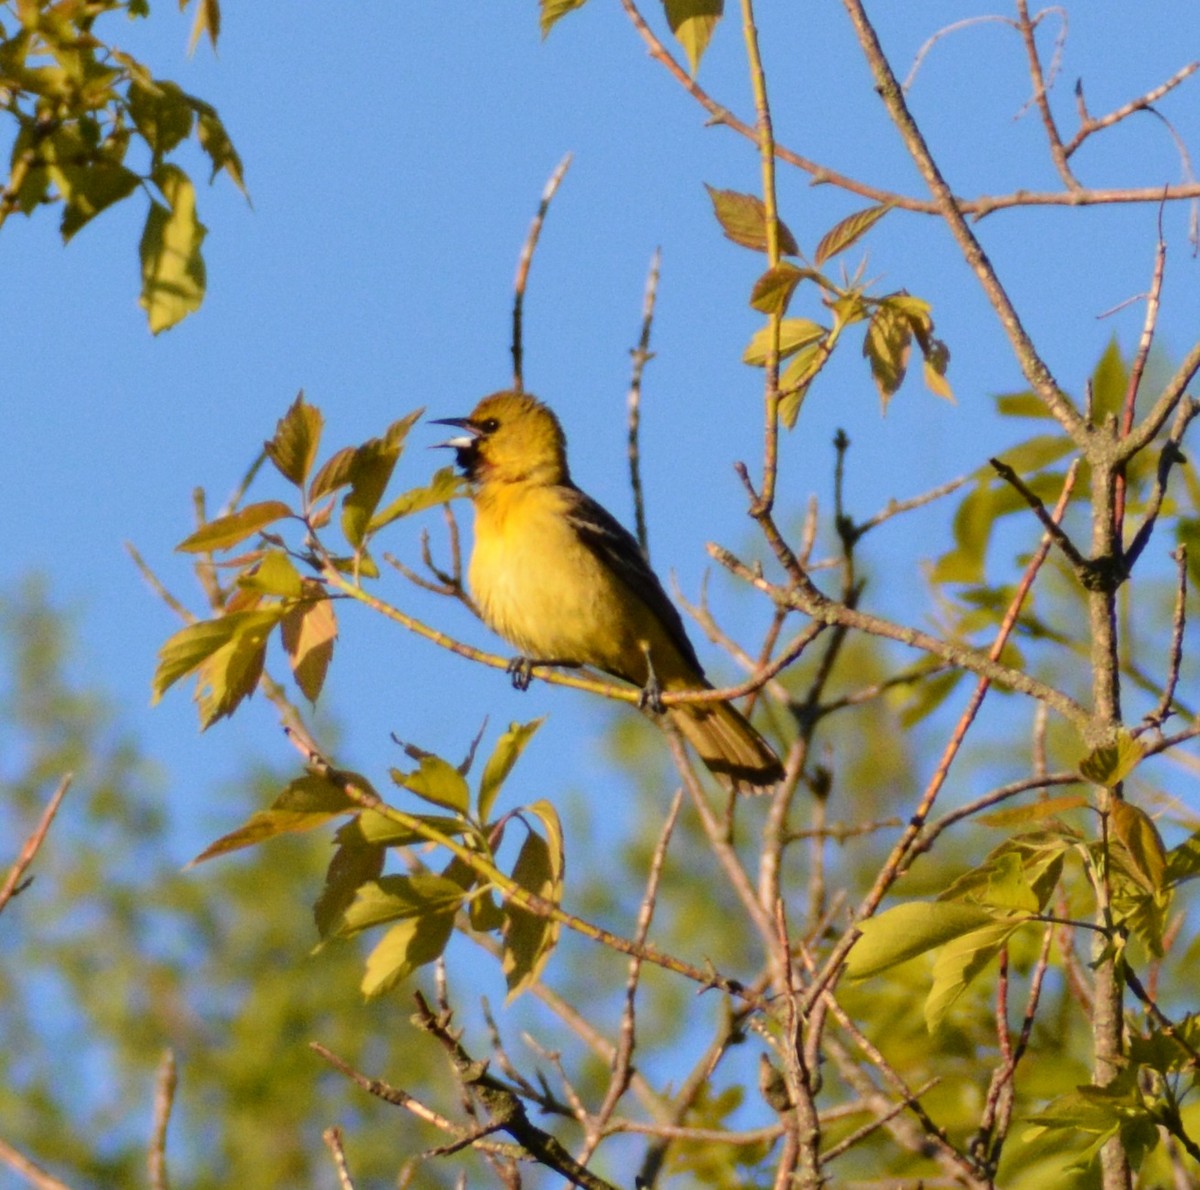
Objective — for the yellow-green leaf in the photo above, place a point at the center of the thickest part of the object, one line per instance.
(693, 22)
(436, 781)
(354, 862)
(393, 898)
(293, 450)
(207, 21)
(794, 334)
(231, 674)
(1110, 764)
(1137, 834)
(1033, 812)
(335, 473)
(374, 826)
(370, 470)
(839, 237)
(304, 804)
(173, 276)
(529, 937)
(1024, 404)
(887, 345)
(444, 486)
(773, 291)
(274, 575)
(214, 140)
(161, 113)
(506, 754)
(909, 930)
(743, 219)
(407, 946)
(554, 10)
(227, 531)
(959, 962)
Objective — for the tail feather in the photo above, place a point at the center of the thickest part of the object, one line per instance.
(729, 746)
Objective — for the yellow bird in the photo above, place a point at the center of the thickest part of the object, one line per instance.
(558, 577)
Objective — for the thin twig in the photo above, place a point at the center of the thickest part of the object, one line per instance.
(1052, 527)
(1139, 366)
(333, 1142)
(1040, 96)
(33, 1173)
(641, 357)
(164, 1100)
(1161, 712)
(1088, 125)
(523, 263)
(622, 1063)
(820, 174)
(12, 884)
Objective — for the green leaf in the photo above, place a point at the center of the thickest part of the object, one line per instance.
(393, 898)
(1024, 404)
(1134, 829)
(406, 947)
(274, 575)
(960, 961)
(693, 22)
(887, 345)
(1183, 860)
(794, 333)
(293, 450)
(304, 804)
(1110, 764)
(743, 219)
(909, 930)
(370, 471)
(95, 186)
(436, 781)
(506, 754)
(773, 291)
(554, 10)
(173, 276)
(851, 229)
(229, 530)
(161, 113)
(375, 827)
(937, 360)
(443, 488)
(309, 630)
(335, 473)
(528, 937)
(1109, 382)
(192, 646)
(927, 696)
(1033, 812)
(354, 862)
(214, 140)
(231, 673)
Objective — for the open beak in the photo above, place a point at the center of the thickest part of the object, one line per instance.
(464, 441)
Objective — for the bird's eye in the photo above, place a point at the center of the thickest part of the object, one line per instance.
(489, 425)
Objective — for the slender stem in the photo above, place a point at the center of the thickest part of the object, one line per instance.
(1032, 365)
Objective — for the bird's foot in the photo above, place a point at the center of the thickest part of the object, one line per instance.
(651, 695)
(520, 669)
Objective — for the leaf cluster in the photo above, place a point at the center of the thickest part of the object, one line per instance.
(422, 906)
(80, 104)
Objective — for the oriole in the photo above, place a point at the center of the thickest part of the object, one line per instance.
(558, 577)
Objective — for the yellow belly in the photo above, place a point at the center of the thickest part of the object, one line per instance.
(547, 594)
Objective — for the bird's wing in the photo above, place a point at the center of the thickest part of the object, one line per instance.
(617, 549)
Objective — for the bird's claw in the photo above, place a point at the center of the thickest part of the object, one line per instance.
(520, 669)
(651, 695)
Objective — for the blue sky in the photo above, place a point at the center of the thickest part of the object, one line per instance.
(394, 156)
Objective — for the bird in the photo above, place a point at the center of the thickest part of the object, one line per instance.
(559, 578)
